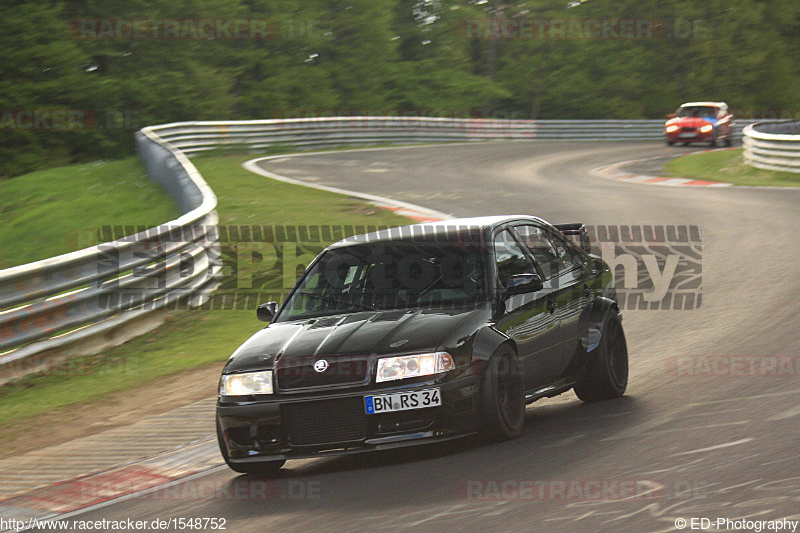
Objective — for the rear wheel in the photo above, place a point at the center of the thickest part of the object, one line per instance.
(728, 141)
(502, 396)
(249, 468)
(670, 143)
(606, 374)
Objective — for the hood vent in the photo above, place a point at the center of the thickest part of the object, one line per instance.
(389, 316)
(326, 322)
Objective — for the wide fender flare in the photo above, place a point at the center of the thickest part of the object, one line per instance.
(487, 341)
(593, 321)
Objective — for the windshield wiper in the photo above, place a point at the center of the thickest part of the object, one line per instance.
(429, 287)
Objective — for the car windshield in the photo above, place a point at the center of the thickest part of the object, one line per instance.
(697, 111)
(384, 276)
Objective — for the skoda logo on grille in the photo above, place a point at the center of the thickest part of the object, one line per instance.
(321, 365)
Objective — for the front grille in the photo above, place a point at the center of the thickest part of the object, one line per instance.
(688, 130)
(299, 373)
(325, 422)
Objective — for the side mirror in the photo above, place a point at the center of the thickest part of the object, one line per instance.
(265, 312)
(671, 116)
(523, 284)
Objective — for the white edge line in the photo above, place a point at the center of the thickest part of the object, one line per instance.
(789, 413)
(252, 166)
(603, 172)
(637, 178)
(672, 182)
(717, 447)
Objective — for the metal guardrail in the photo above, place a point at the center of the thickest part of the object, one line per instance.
(773, 146)
(55, 302)
(194, 137)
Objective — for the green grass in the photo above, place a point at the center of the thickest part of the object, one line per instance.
(196, 338)
(188, 340)
(52, 212)
(728, 166)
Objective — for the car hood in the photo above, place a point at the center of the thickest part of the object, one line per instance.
(344, 336)
(691, 122)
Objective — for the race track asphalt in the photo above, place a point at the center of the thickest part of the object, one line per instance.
(708, 440)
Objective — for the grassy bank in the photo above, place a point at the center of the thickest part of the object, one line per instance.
(727, 166)
(196, 338)
(44, 212)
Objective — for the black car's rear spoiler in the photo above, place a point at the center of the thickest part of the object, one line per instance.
(577, 233)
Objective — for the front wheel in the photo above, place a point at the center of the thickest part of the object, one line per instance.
(264, 467)
(606, 374)
(502, 396)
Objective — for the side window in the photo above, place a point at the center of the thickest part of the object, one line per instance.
(542, 249)
(566, 257)
(510, 258)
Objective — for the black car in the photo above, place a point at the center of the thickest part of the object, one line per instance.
(421, 334)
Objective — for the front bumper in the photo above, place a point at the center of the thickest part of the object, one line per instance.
(697, 136)
(335, 422)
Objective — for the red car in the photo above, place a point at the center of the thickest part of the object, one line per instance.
(696, 122)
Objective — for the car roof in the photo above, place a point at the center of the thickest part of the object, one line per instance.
(712, 104)
(443, 228)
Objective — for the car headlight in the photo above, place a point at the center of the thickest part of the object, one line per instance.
(411, 366)
(672, 128)
(246, 384)
(706, 128)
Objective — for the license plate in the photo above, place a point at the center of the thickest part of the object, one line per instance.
(685, 135)
(402, 401)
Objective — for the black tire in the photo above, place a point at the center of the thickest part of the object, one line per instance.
(606, 374)
(715, 138)
(670, 143)
(728, 141)
(264, 467)
(502, 412)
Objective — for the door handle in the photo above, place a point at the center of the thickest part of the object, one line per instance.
(551, 306)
